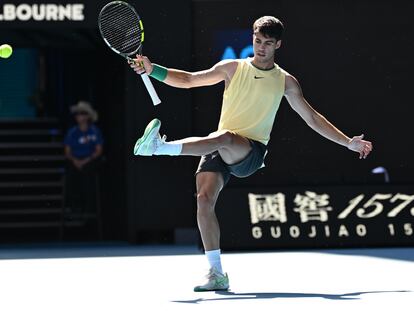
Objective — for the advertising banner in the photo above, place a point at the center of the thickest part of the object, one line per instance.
(308, 217)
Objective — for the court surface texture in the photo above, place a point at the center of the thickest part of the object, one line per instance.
(122, 277)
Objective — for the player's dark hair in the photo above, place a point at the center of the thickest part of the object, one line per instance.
(269, 26)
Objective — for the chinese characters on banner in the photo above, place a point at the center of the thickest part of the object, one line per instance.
(311, 206)
(330, 216)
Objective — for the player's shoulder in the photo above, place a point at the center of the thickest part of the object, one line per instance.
(282, 70)
(289, 78)
(228, 63)
(291, 83)
(227, 67)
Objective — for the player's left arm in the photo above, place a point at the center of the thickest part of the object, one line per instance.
(319, 123)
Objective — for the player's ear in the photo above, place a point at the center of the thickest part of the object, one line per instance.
(278, 44)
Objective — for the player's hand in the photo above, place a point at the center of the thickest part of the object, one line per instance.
(85, 161)
(363, 147)
(141, 64)
(77, 163)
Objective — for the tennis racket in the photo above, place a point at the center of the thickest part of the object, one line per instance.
(122, 30)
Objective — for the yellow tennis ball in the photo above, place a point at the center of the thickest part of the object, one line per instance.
(5, 51)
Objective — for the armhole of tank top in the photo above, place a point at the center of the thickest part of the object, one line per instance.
(283, 73)
(283, 82)
(236, 73)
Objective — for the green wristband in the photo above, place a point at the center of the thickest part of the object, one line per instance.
(159, 72)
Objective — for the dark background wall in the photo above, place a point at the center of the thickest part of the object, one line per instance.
(160, 191)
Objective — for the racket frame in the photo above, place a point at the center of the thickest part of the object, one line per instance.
(155, 99)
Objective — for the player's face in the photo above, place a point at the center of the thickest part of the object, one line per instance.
(264, 47)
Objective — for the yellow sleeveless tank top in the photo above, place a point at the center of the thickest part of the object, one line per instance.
(251, 101)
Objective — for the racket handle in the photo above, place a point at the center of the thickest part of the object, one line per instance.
(155, 99)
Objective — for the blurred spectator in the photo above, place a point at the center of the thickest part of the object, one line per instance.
(83, 150)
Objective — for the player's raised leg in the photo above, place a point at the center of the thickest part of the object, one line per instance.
(232, 147)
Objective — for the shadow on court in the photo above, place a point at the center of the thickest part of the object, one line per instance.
(249, 296)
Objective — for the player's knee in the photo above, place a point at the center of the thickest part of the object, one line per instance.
(226, 138)
(205, 202)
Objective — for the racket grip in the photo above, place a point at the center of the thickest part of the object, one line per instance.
(155, 99)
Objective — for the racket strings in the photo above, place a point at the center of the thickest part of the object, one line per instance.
(121, 29)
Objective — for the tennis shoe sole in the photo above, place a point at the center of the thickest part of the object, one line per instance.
(145, 145)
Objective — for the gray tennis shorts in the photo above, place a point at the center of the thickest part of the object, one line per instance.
(213, 162)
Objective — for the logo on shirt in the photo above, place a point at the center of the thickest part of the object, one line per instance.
(256, 77)
(86, 139)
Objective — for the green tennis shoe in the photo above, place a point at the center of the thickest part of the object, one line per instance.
(148, 143)
(215, 282)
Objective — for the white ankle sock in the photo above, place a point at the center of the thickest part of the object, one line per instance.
(169, 148)
(214, 260)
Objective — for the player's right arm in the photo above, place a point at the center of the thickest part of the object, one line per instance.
(222, 71)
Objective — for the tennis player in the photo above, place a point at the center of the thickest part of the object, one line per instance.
(254, 88)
